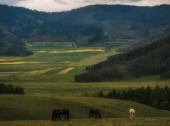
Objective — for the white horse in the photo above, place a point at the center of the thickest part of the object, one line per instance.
(132, 113)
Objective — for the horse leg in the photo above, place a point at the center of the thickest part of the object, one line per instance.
(56, 117)
(68, 115)
(65, 115)
(53, 117)
(59, 117)
(133, 116)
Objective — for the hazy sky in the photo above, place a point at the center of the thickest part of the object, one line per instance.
(63, 5)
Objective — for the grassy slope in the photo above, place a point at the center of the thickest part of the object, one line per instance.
(39, 107)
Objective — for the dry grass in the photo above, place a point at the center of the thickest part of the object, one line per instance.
(93, 122)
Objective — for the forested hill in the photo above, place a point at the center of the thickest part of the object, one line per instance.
(10, 45)
(91, 24)
(153, 59)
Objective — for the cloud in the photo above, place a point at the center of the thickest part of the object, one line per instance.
(10, 2)
(63, 5)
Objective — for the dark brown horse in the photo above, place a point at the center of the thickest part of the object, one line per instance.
(56, 114)
(95, 112)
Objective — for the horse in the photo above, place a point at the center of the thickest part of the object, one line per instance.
(132, 113)
(95, 112)
(56, 114)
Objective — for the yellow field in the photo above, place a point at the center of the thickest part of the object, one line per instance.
(17, 62)
(8, 59)
(66, 70)
(35, 72)
(96, 58)
(72, 51)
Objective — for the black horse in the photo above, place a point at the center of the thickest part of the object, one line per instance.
(56, 114)
(95, 112)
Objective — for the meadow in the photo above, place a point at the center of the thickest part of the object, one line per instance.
(51, 70)
(48, 80)
(49, 61)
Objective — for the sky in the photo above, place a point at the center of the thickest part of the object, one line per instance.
(65, 5)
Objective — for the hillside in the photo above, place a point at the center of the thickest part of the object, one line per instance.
(40, 107)
(10, 45)
(93, 24)
(151, 60)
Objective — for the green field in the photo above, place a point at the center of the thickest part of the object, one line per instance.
(77, 89)
(49, 60)
(51, 70)
(48, 80)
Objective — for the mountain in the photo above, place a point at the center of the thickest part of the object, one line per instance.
(87, 25)
(154, 59)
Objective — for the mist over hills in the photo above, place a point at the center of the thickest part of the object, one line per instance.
(87, 25)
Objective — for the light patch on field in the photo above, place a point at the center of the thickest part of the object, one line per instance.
(18, 63)
(96, 58)
(66, 70)
(37, 72)
(10, 72)
(79, 50)
(42, 51)
(12, 59)
(66, 62)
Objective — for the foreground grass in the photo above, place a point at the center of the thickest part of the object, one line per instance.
(93, 122)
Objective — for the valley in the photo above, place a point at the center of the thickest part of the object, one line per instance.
(51, 62)
(66, 59)
(48, 80)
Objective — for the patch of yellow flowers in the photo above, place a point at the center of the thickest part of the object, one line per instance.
(74, 51)
(66, 70)
(17, 62)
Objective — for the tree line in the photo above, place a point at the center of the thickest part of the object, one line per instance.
(158, 97)
(10, 89)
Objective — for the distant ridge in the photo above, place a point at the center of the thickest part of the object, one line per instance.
(87, 25)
